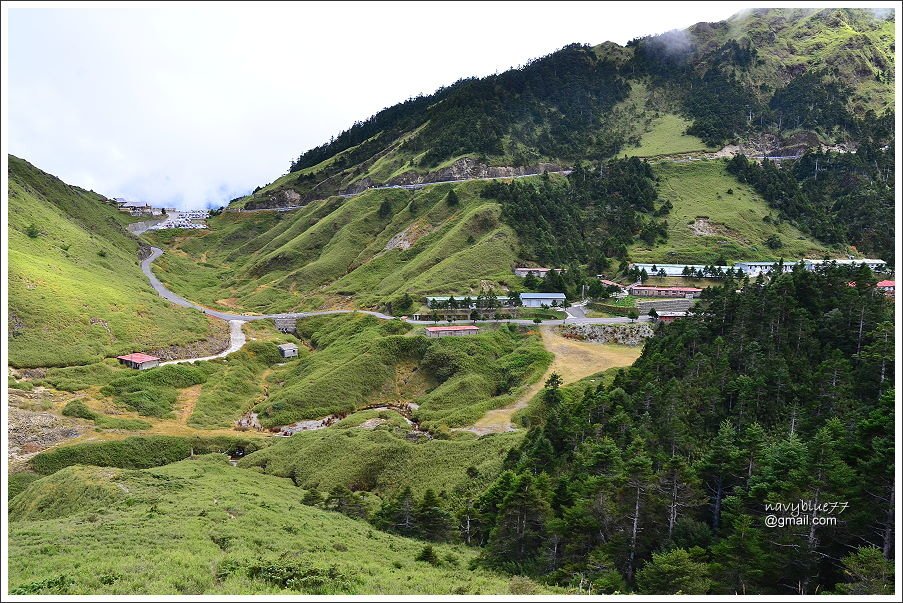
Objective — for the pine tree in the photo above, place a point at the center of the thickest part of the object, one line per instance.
(433, 522)
(521, 528)
(673, 572)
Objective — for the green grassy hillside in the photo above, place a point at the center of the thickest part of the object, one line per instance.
(384, 462)
(726, 80)
(343, 253)
(76, 292)
(858, 47)
(666, 135)
(373, 247)
(202, 526)
(362, 361)
(707, 222)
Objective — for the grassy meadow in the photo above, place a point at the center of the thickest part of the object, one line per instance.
(708, 221)
(666, 136)
(203, 526)
(383, 461)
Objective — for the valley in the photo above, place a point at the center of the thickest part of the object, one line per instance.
(567, 329)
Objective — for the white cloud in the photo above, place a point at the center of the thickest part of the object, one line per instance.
(193, 105)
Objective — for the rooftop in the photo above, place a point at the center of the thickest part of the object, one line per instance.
(542, 295)
(137, 357)
(886, 284)
(686, 289)
(288, 346)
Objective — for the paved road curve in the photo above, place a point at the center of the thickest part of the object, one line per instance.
(236, 320)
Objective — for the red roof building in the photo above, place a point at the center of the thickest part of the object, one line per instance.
(453, 330)
(139, 361)
(652, 291)
(889, 287)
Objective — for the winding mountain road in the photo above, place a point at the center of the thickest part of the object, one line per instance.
(237, 337)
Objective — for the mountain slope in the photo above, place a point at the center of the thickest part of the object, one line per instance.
(758, 74)
(342, 253)
(76, 292)
(202, 526)
(367, 250)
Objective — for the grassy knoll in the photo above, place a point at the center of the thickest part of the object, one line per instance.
(382, 462)
(666, 136)
(707, 221)
(202, 526)
(361, 361)
(366, 251)
(76, 293)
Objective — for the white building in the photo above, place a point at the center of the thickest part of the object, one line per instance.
(288, 350)
(537, 272)
(675, 269)
(757, 268)
(537, 300)
(876, 265)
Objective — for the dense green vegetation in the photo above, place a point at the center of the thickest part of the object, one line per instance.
(76, 293)
(770, 393)
(836, 197)
(362, 361)
(201, 526)
(592, 216)
(383, 461)
(551, 106)
(140, 452)
(650, 480)
(774, 71)
(77, 408)
(153, 392)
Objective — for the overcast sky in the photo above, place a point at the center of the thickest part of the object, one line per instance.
(193, 105)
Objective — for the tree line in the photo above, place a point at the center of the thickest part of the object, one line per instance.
(770, 393)
(592, 215)
(838, 198)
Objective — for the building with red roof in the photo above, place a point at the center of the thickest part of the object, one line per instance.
(889, 287)
(139, 361)
(653, 291)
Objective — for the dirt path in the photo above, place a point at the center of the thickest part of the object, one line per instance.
(186, 402)
(574, 360)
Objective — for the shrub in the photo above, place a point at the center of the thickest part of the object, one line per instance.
(301, 575)
(33, 231)
(26, 386)
(77, 408)
(428, 554)
(153, 392)
(521, 585)
(51, 586)
(75, 378)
